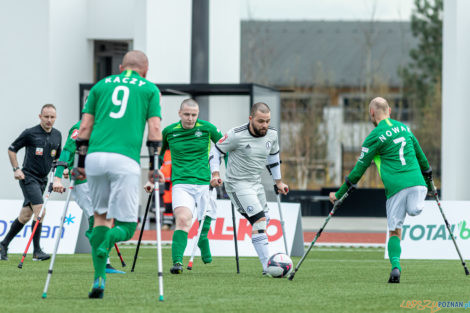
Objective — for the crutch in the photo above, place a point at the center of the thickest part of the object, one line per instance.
(235, 238)
(153, 152)
(142, 230)
(436, 197)
(120, 256)
(39, 218)
(57, 240)
(335, 206)
(278, 198)
(211, 203)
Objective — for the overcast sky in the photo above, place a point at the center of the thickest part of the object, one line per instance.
(383, 10)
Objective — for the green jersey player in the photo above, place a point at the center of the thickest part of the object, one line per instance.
(189, 141)
(111, 131)
(80, 192)
(403, 168)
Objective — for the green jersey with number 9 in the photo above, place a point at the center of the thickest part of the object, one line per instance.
(397, 154)
(121, 105)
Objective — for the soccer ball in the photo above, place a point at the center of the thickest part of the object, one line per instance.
(279, 265)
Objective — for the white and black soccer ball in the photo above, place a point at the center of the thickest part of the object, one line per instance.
(279, 265)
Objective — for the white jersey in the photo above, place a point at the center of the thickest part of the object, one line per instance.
(247, 154)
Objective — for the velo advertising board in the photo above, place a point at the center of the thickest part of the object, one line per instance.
(426, 236)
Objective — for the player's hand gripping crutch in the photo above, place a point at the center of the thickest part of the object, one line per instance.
(142, 227)
(209, 204)
(57, 240)
(41, 212)
(335, 207)
(428, 175)
(153, 167)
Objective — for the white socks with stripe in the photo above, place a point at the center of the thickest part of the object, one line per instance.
(260, 242)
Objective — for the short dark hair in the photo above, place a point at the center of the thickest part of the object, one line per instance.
(190, 102)
(259, 106)
(48, 105)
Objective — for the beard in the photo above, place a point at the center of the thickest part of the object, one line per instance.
(259, 131)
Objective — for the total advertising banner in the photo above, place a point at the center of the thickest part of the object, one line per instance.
(221, 233)
(426, 236)
(50, 229)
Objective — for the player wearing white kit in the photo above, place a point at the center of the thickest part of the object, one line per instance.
(250, 148)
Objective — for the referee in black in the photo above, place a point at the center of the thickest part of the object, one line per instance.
(43, 146)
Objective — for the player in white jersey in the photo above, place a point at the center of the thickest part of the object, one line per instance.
(250, 148)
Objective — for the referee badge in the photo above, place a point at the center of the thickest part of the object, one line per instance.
(39, 151)
(53, 152)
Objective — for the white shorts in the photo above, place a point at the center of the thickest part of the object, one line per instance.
(407, 201)
(196, 198)
(113, 180)
(81, 194)
(250, 201)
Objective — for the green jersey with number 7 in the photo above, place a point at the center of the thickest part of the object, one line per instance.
(121, 105)
(397, 154)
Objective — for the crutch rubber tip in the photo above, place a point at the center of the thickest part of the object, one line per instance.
(291, 277)
(44, 295)
(20, 265)
(123, 264)
(466, 271)
(161, 298)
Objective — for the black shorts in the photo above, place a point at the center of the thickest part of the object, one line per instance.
(33, 190)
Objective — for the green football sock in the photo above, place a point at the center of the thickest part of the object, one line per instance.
(394, 251)
(180, 240)
(91, 222)
(99, 262)
(203, 242)
(121, 231)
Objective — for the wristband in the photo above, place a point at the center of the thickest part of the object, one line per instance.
(16, 168)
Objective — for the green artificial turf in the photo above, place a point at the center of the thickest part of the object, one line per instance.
(330, 280)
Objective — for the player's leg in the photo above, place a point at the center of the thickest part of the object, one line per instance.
(99, 187)
(396, 212)
(415, 200)
(204, 203)
(183, 206)
(124, 176)
(248, 204)
(35, 191)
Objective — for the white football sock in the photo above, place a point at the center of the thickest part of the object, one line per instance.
(260, 242)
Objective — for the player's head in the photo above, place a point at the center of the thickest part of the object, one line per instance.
(378, 110)
(47, 116)
(189, 111)
(260, 117)
(135, 60)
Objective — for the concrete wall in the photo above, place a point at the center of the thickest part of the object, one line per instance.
(47, 50)
(455, 108)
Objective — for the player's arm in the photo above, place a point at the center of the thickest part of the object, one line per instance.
(19, 143)
(273, 163)
(423, 162)
(225, 144)
(368, 152)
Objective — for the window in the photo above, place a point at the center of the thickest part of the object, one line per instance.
(108, 56)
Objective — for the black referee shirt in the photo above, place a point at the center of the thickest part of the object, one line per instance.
(41, 149)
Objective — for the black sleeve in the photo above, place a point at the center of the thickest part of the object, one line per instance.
(59, 150)
(20, 142)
